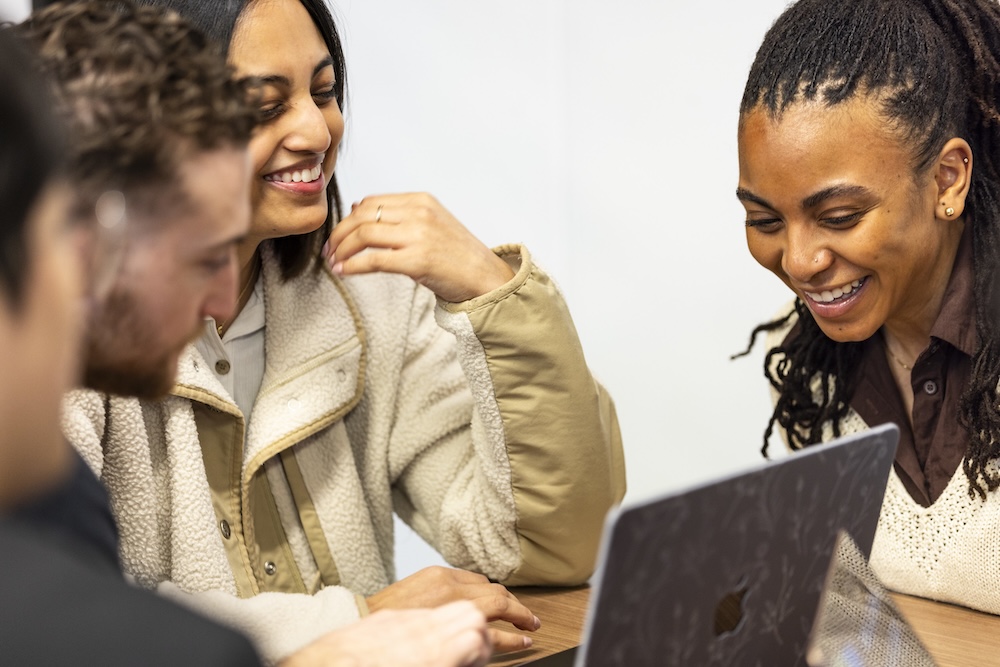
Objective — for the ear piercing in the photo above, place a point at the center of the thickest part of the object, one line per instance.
(949, 211)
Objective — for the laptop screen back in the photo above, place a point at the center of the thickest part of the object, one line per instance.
(732, 571)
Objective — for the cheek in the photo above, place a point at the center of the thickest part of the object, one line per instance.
(261, 147)
(335, 125)
(766, 250)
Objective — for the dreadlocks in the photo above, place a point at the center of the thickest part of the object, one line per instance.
(934, 65)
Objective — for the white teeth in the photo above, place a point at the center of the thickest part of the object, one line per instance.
(301, 176)
(828, 296)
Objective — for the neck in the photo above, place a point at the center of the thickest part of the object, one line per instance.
(910, 334)
(248, 258)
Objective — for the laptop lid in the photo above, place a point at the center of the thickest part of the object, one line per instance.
(732, 571)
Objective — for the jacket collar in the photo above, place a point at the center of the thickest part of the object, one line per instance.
(315, 361)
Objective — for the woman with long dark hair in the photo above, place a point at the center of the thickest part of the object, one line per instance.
(869, 140)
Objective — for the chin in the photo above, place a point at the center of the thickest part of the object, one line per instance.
(846, 333)
(150, 383)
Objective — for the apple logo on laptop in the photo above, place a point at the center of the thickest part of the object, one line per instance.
(729, 610)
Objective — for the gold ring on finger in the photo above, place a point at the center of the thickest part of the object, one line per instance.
(378, 214)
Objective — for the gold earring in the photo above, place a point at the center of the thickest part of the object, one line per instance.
(949, 211)
(965, 160)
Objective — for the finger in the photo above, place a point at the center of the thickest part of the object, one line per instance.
(405, 261)
(466, 648)
(462, 615)
(508, 642)
(362, 212)
(368, 236)
(502, 606)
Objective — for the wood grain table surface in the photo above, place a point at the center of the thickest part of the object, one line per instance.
(954, 636)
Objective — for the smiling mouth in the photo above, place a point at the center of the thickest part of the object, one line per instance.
(840, 293)
(297, 176)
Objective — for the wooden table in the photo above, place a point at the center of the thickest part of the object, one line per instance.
(954, 636)
(561, 611)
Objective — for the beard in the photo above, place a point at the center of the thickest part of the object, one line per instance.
(124, 351)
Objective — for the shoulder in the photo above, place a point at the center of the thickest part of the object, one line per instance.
(98, 619)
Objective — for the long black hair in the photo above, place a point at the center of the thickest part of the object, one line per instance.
(934, 65)
(218, 20)
(31, 154)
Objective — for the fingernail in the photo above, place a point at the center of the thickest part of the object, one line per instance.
(326, 248)
(338, 268)
(527, 642)
(354, 205)
(538, 623)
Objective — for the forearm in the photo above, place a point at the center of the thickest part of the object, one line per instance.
(558, 426)
(279, 624)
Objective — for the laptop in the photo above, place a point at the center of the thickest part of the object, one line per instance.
(731, 572)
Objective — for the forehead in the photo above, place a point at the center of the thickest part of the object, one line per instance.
(209, 204)
(275, 36)
(812, 142)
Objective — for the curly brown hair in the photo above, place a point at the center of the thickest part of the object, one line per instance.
(141, 89)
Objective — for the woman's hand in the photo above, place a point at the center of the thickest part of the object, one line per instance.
(435, 586)
(450, 636)
(414, 235)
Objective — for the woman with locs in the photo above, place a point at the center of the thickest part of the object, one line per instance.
(869, 140)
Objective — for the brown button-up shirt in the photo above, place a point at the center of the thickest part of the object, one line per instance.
(931, 450)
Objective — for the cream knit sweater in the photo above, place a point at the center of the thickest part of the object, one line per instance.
(949, 551)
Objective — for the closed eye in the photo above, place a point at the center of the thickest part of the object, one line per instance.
(843, 220)
(765, 225)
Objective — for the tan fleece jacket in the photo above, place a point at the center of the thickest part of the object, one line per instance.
(478, 423)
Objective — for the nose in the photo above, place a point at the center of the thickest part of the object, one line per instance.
(220, 295)
(309, 129)
(806, 255)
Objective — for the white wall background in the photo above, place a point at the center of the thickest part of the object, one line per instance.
(14, 10)
(603, 135)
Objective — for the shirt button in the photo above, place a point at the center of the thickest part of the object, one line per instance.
(224, 527)
(270, 568)
(930, 387)
(222, 367)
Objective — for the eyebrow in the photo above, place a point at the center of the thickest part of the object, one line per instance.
(234, 240)
(812, 200)
(842, 190)
(279, 79)
(745, 195)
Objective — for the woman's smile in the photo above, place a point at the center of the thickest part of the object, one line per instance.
(836, 302)
(299, 179)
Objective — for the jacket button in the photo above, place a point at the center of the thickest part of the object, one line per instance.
(930, 387)
(294, 405)
(222, 367)
(224, 527)
(270, 568)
